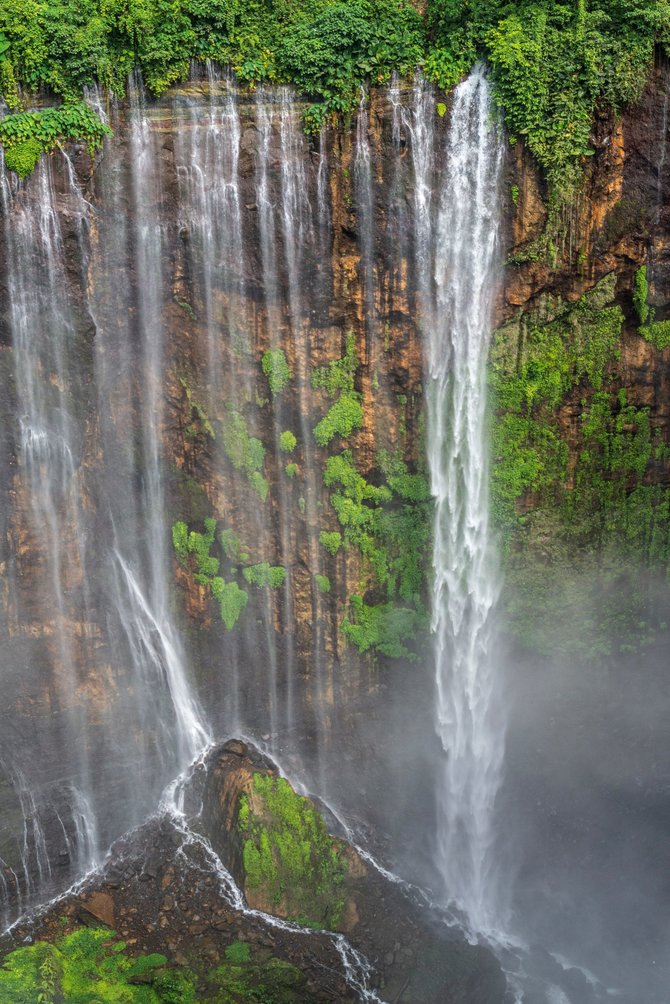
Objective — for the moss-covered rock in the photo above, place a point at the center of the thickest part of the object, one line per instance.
(292, 866)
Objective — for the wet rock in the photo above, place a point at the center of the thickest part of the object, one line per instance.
(99, 906)
(235, 746)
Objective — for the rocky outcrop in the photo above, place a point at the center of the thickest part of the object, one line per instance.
(275, 843)
(163, 890)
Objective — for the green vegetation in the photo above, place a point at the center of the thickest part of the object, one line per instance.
(239, 951)
(655, 332)
(287, 442)
(260, 980)
(245, 452)
(265, 576)
(88, 966)
(288, 855)
(570, 350)
(384, 628)
(389, 525)
(92, 966)
(641, 295)
(387, 521)
(584, 532)
(277, 370)
(322, 583)
(291, 470)
(658, 333)
(231, 599)
(25, 136)
(332, 541)
(337, 380)
(554, 62)
(191, 542)
(327, 49)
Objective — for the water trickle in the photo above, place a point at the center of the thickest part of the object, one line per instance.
(364, 191)
(469, 717)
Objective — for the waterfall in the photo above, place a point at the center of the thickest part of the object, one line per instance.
(365, 203)
(142, 573)
(47, 346)
(469, 716)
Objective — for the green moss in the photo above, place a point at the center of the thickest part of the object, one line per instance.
(23, 157)
(231, 545)
(271, 981)
(186, 307)
(245, 452)
(265, 575)
(332, 541)
(337, 380)
(287, 442)
(572, 349)
(658, 333)
(238, 951)
(199, 423)
(342, 419)
(8, 87)
(591, 533)
(288, 853)
(641, 295)
(231, 599)
(338, 376)
(277, 370)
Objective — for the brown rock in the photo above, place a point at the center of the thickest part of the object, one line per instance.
(101, 906)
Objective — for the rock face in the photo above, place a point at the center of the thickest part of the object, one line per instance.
(185, 258)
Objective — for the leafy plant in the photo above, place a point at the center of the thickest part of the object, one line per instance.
(641, 295)
(287, 442)
(277, 370)
(26, 135)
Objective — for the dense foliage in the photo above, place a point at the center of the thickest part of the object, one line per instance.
(553, 61)
(89, 966)
(25, 136)
(92, 966)
(387, 522)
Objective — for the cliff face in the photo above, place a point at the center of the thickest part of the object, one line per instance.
(220, 283)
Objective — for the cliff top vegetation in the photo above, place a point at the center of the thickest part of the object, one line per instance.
(554, 62)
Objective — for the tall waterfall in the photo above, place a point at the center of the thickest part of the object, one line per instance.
(469, 718)
(45, 340)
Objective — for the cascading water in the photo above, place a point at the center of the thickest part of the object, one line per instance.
(469, 717)
(73, 785)
(140, 558)
(45, 336)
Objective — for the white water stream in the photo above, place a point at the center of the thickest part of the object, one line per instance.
(469, 717)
